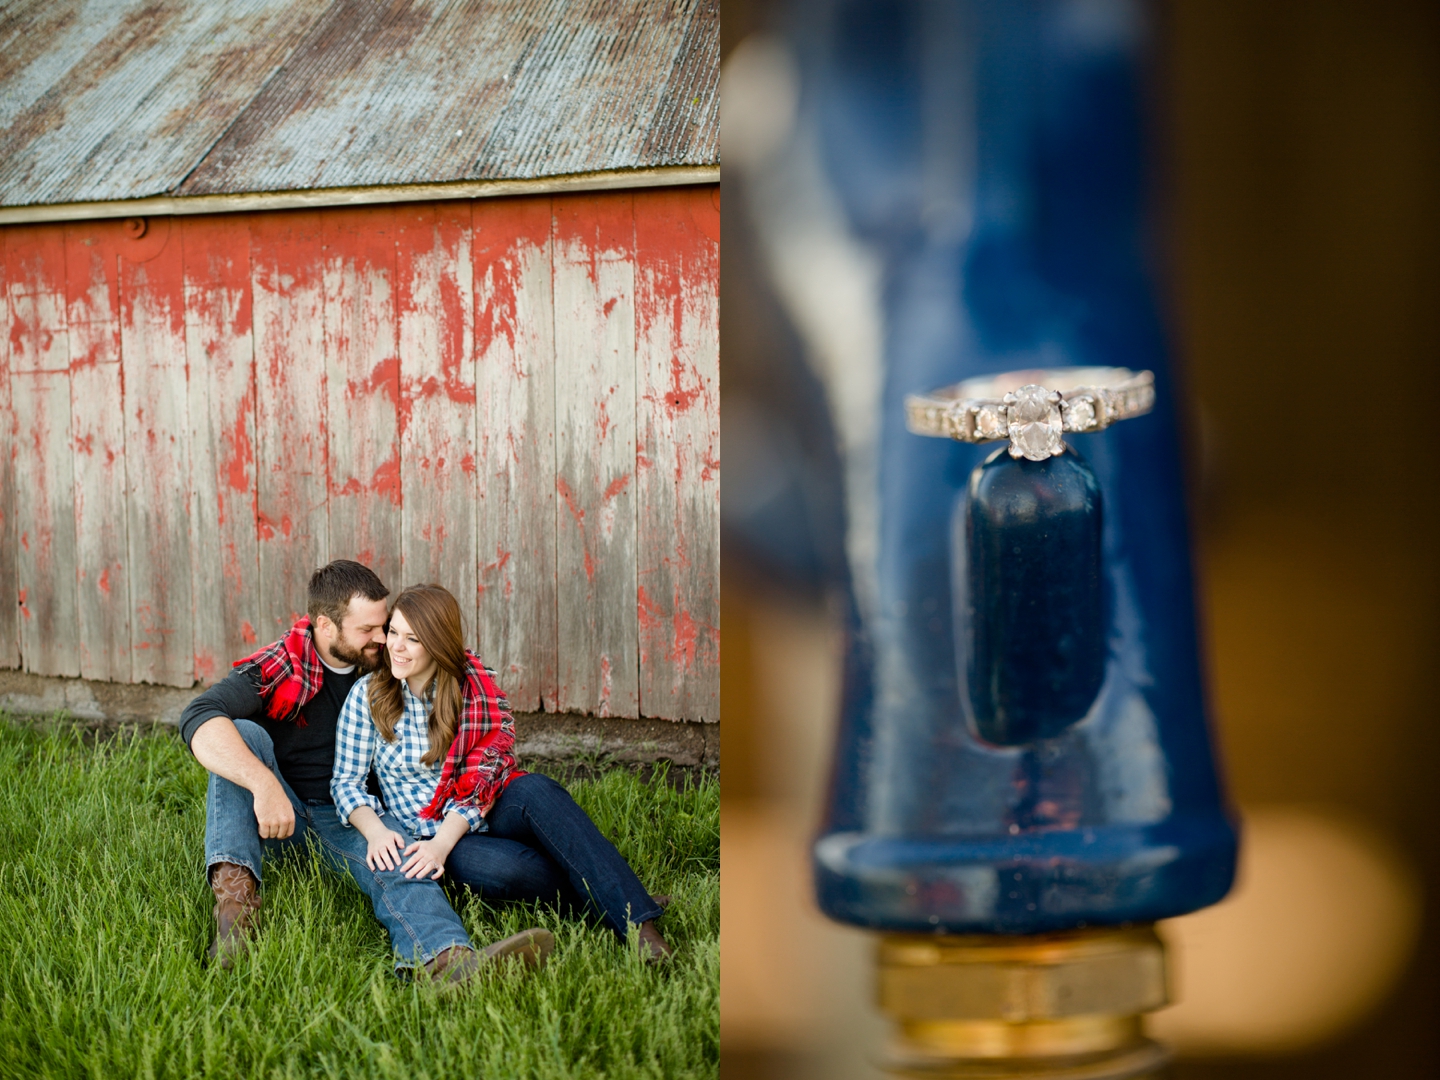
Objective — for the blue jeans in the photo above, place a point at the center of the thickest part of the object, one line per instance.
(542, 847)
(419, 919)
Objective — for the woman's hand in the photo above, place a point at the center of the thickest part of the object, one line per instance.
(382, 851)
(427, 857)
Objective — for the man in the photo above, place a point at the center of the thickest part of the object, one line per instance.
(266, 733)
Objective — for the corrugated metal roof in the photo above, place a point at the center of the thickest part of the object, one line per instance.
(120, 99)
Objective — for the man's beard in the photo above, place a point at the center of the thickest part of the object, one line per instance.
(365, 661)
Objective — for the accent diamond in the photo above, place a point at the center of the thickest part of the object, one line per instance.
(1080, 414)
(1035, 423)
(990, 422)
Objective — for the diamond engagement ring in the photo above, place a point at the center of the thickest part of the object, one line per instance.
(1032, 408)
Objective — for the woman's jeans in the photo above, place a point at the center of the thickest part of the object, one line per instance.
(542, 847)
(419, 918)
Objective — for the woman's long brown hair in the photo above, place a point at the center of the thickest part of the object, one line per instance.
(434, 616)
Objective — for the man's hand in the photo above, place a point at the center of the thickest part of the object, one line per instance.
(382, 852)
(218, 746)
(273, 812)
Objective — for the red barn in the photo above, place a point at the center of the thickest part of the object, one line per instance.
(432, 285)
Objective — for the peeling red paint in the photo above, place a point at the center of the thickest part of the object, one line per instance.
(299, 468)
(619, 484)
(238, 455)
(684, 650)
(386, 480)
(569, 497)
(650, 615)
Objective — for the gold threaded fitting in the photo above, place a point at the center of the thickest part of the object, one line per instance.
(1064, 1006)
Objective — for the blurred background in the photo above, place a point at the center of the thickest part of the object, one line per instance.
(1297, 194)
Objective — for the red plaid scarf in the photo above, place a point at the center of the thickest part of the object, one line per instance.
(480, 762)
(290, 673)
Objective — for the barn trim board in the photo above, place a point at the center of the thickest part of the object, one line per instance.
(668, 176)
(518, 397)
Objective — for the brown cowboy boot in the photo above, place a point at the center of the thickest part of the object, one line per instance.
(453, 966)
(236, 901)
(653, 946)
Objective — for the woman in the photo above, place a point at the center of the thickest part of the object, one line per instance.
(509, 834)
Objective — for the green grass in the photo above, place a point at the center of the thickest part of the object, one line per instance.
(105, 917)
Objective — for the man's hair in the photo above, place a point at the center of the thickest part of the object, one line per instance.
(335, 583)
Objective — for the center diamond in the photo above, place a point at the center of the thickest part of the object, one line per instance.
(1035, 423)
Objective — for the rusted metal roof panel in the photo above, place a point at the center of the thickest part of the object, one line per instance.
(116, 99)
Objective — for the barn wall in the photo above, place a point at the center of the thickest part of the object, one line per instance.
(517, 398)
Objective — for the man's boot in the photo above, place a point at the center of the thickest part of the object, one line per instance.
(236, 901)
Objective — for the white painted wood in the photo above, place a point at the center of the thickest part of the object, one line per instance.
(678, 454)
(290, 418)
(435, 304)
(220, 349)
(44, 470)
(98, 440)
(595, 454)
(363, 387)
(157, 459)
(9, 539)
(515, 448)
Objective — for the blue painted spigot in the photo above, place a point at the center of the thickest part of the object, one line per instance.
(1023, 754)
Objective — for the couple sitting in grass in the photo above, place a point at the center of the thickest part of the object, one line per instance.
(296, 735)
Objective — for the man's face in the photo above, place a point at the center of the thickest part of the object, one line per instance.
(360, 635)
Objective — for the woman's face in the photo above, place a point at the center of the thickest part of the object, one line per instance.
(408, 658)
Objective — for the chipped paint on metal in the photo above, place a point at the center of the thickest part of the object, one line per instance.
(125, 99)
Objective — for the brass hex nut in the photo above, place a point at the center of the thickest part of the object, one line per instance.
(1021, 979)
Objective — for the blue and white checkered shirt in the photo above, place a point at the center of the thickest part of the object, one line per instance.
(407, 783)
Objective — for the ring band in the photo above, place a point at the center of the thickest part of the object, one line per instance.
(1032, 408)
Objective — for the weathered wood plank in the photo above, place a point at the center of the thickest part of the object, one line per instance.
(98, 428)
(157, 455)
(9, 541)
(220, 348)
(44, 467)
(595, 453)
(515, 447)
(292, 507)
(363, 388)
(435, 310)
(677, 356)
